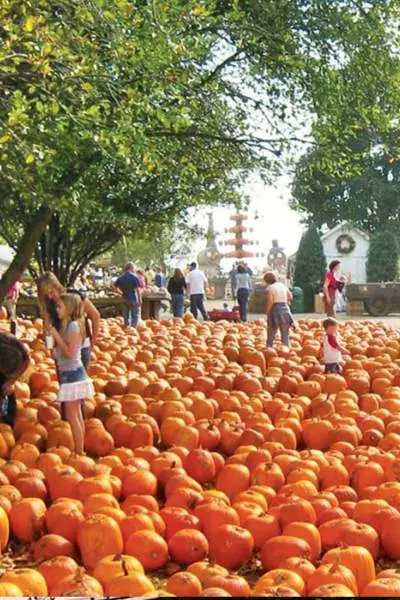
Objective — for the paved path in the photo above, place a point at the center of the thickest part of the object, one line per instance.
(393, 319)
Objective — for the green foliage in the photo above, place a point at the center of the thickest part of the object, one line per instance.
(310, 259)
(119, 115)
(383, 257)
(369, 196)
(174, 242)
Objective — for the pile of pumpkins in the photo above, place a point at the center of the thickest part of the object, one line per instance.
(214, 466)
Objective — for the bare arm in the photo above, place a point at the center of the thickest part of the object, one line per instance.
(69, 346)
(94, 317)
(46, 322)
(326, 288)
(289, 296)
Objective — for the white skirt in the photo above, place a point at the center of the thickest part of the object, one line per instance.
(81, 390)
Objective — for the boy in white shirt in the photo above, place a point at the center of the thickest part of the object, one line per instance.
(331, 347)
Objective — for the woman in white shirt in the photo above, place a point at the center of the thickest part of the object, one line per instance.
(243, 287)
(278, 310)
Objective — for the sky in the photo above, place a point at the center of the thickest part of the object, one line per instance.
(275, 221)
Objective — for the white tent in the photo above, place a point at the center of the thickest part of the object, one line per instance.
(6, 257)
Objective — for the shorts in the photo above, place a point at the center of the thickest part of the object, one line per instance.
(333, 368)
(75, 385)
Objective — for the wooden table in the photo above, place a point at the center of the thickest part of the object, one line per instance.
(151, 305)
(110, 306)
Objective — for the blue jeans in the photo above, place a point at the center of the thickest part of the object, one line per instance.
(73, 376)
(130, 311)
(243, 300)
(272, 331)
(178, 304)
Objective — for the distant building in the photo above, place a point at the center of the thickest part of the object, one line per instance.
(348, 244)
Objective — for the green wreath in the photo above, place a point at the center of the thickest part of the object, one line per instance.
(345, 244)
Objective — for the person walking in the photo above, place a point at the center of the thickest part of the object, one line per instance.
(75, 385)
(49, 292)
(129, 285)
(177, 287)
(278, 310)
(332, 284)
(232, 277)
(243, 287)
(196, 284)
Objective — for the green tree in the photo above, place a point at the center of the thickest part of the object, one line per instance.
(383, 257)
(310, 265)
(173, 243)
(369, 196)
(98, 128)
(120, 113)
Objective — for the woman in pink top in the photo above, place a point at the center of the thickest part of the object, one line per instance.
(331, 285)
(11, 300)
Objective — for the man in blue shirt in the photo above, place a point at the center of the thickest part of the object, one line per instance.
(129, 285)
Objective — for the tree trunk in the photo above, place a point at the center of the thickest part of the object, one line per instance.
(25, 250)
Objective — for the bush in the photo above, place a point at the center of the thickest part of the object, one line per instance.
(310, 259)
(383, 257)
(310, 266)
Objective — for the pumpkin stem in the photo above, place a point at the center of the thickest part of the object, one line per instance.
(334, 566)
(124, 567)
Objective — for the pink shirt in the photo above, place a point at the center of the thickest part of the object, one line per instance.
(332, 283)
(13, 291)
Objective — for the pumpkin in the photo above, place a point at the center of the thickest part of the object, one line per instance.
(50, 546)
(277, 549)
(98, 536)
(29, 581)
(183, 584)
(187, 546)
(230, 546)
(57, 568)
(27, 519)
(78, 584)
(116, 565)
(149, 548)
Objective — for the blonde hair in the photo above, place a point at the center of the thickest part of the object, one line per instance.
(46, 281)
(74, 312)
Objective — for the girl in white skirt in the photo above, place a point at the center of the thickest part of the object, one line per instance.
(75, 385)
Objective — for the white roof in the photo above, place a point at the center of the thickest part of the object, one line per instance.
(344, 226)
